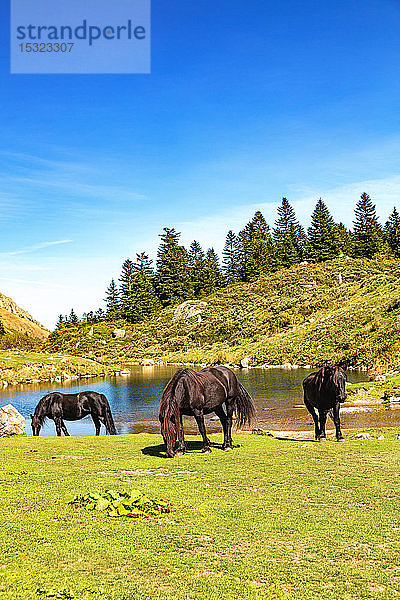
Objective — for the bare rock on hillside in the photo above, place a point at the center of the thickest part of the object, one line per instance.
(11, 421)
(188, 309)
(119, 334)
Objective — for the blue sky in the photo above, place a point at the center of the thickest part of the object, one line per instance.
(246, 102)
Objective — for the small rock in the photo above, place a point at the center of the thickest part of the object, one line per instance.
(381, 437)
(258, 431)
(380, 378)
(147, 362)
(244, 363)
(362, 436)
(398, 436)
(118, 333)
(90, 332)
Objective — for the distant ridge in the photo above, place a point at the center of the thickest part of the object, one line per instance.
(17, 319)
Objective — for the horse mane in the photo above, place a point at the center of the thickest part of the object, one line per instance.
(337, 372)
(325, 373)
(41, 408)
(169, 407)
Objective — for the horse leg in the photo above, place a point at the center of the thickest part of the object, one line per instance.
(224, 422)
(336, 420)
(57, 422)
(198, 415)
(230, 407)
(314, 415)
(64, 429)
(182, 446)
(322, 421)
(96, 422)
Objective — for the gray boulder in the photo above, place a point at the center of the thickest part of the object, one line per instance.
(11, 421)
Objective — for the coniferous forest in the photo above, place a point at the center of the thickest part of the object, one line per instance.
(143, 289)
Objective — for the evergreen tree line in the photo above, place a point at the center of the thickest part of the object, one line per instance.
(181, 274)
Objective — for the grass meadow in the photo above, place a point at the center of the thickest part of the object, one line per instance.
(274, 519)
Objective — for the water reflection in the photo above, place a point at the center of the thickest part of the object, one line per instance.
(135, 401)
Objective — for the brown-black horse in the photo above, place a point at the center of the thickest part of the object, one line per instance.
(72, 407)
(324, 391)
(200, 393)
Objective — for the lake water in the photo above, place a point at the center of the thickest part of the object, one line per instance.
(135, 399)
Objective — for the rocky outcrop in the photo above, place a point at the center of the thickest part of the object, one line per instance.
(189, 309)
(11, 421)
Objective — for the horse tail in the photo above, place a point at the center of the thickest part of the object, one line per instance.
(244, 406)
(108, 418)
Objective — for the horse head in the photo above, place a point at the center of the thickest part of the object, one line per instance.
(169, 432)
(36, 424)
(339, 383)
(169, 415)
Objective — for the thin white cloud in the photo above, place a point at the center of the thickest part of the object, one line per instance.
(35, 248)
(30, 282)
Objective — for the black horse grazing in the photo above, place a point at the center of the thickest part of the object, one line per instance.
(324, 391)
(72, 407)
(199, 393)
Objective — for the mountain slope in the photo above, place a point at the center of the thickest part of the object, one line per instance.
(16, 319)
(344, 309)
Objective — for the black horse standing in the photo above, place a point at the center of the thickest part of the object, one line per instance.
(324, 391)
(73, 407)
(199, 393)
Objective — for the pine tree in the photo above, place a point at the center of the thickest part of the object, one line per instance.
(73, 319)
(231, 259)
(60, 323)
(197, 266)
(112, 301)
(392, 232)
(126, 278)
(213, 277)
(144, 302)
(2, 330)
(323, 240)
(368, 234)
(173, 274)
(99, 315)
(289, 237)
(345, 240)
(256, 249)
(143, 265)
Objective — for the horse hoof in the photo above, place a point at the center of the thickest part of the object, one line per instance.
(341, 439)
(321, 439)
(179, 453)
(206, 450)
(227, 448)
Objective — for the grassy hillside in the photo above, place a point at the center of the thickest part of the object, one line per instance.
(344, 309)
(17, 320)
(269, 521)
